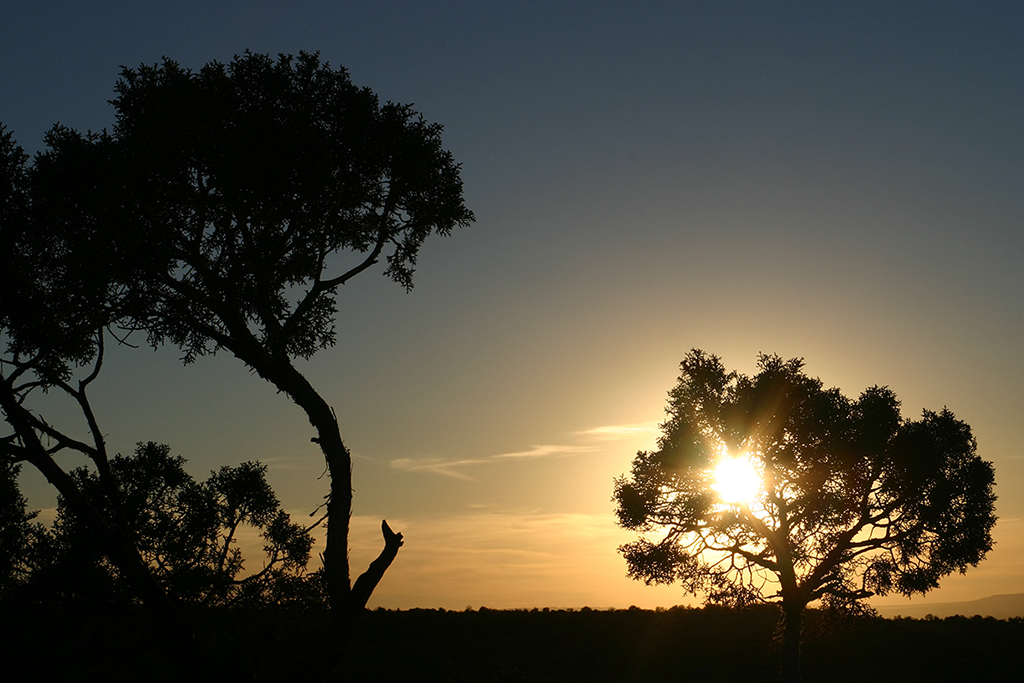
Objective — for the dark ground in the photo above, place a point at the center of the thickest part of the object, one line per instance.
(505, 646)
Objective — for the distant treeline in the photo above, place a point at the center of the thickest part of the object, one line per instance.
(677, 644)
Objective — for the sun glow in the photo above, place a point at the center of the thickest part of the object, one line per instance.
(736, 481)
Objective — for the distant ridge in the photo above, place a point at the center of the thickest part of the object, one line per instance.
(998, 606)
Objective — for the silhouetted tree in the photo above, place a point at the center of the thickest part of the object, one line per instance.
(186, 531)
(235, 202)
(851, 499)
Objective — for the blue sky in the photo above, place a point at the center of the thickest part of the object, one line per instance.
(837, 181)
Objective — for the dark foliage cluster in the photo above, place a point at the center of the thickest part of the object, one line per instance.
(186, 532)
(18, 533)
(220, 197)
(61, 269)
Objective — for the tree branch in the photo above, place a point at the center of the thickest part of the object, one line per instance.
(368, 581)
(383, 235)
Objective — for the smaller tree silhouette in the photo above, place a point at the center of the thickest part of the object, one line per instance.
(187, 532)
(772, 488)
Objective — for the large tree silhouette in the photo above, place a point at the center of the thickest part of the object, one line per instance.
(236, 200)
(850, 499)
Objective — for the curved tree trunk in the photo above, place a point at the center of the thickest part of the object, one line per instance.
(345, 599)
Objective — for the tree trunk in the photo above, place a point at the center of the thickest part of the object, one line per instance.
(792, 619)
(282, 374)
(339, 503)
(346, 601)
(344, 598)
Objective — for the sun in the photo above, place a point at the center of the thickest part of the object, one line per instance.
(736, 481)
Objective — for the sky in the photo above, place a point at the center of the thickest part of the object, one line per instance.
(841, 182)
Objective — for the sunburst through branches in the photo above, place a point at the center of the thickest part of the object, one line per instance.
(736, 479)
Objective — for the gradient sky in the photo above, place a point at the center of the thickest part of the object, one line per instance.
(842, 182)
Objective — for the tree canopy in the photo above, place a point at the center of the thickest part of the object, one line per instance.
(228, 194)
(851, 499)
(186, 531)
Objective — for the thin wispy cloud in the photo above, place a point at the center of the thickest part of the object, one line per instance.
(454, 468)
(615, 432)
(448, 468)
(543, 451)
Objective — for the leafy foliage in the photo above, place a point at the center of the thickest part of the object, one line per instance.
(230, 190)
(186, 531)
(856, 500)
(63, 271)
(19, 534)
